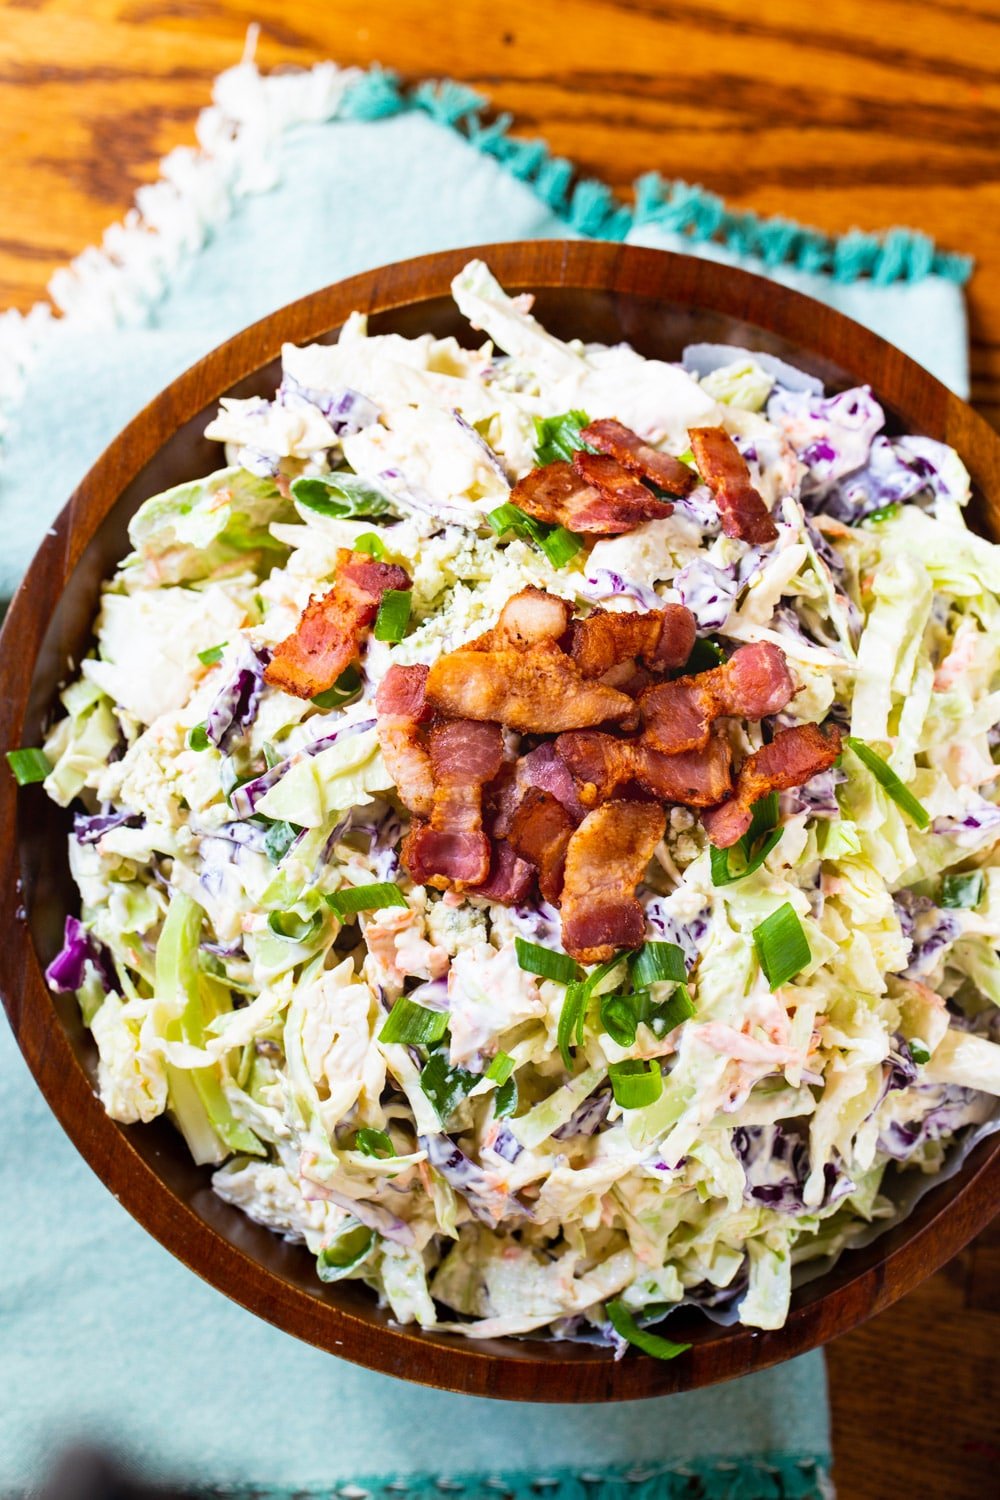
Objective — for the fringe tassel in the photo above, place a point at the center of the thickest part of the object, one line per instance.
(119, 282)
(781, 1477)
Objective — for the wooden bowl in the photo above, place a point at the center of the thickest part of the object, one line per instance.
(657, 302)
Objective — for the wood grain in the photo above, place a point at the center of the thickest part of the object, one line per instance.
(864, 112)
(602, 292)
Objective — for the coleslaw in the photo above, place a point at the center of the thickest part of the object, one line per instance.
(421, 1085)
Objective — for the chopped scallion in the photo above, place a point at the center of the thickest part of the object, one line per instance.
(883, 513)
(198, 738)
(28, 766)
(374, 1143)
(890, 782)
(571, 1020)
(501, 1067)
(292, 927)
(625, 1325)
(559, 437)
(705, 654)
(347, 1252)
(635, 1083)
(558, 544)
(656, 962)
(371, 544)
(346, 687)
(545, 962)
(919, 1052)
(278, 839)
(962, 890)
(393, 615)
(782, 946)
(212, 655)
(413, 1025)
(444, 1085)
(352, 898)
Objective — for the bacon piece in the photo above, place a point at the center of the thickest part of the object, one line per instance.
(606, 858)
(540, 832)
(792, 758)
(536, 691)
(662, 638)
(510, 877)
(628, 495)
(543, 768)
(328, 635)
(561, 495)
(530, 617)
(452, 852)
(679, 715)
(402, 707)
(639, 457)
(724, 469)
(601, 763)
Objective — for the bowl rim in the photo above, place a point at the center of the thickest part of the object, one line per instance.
(519, 1371)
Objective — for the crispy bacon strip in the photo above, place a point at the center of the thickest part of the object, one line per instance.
(629, 495)
(540, 832)
(604, 640)
(542, 768)
(562, 495)
(605, 860)
(452, 852)
(528, 618)
(724, 469)
(601, 763)
(536, 691)
(401, 706)
(679, 715)
(639, 457)
(510, 877)
(793, 757)
(328, 635)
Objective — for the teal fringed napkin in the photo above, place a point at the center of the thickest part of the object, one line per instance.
(301, 180)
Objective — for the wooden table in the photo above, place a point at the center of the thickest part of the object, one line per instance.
(857, 112)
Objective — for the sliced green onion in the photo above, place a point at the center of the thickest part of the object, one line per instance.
(656, 962)
(559, 437)
(198, 738)
(272, 755)
(374, 1143)
(721, 859)
(28, 766)
(393, 615)
(919, 1052)
(884, 512)
(650, 1343)
(635, 1083)
(444, 1085)
(413, 1025)
(558, 544)
(962, 890)
(346, 687)
(544, 961)
(347, 1252)
(571, 1019)
(670, 1013)
(764, 815)
(705, 654)
(278, 839)
(212, 655)
(782, 946)
(505, 1099)
(620, 1017)
(369, 543)
(622, 1014)
(890, 782)
(352, 898)
(296, 929)
(501, 1067)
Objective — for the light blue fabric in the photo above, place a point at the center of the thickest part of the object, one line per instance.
(103, 1333)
